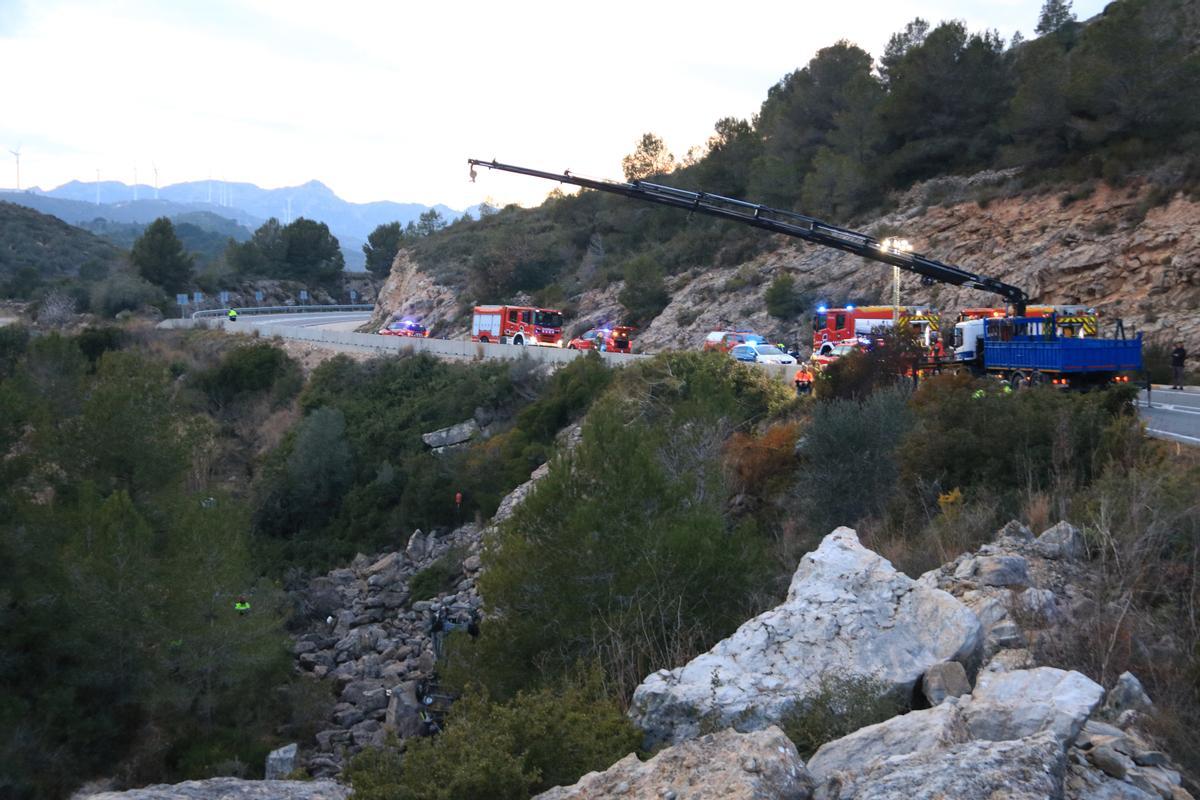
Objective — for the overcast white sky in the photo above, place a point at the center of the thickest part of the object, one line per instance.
(387, 102)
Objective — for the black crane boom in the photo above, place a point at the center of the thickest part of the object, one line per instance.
(788, 223)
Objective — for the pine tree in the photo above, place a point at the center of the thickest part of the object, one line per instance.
(1055, 14)
(159, 257)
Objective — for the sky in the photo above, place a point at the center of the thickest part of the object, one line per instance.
(387, 103)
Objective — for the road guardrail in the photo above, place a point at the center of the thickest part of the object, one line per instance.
(251, 311)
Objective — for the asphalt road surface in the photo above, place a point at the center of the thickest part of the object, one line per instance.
(1172, 414)
(332, 320)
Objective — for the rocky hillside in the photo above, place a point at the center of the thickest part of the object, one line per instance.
(1130, 252)
(959, 646)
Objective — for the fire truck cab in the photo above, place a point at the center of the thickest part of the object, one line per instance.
(519, 325)
(834, 326)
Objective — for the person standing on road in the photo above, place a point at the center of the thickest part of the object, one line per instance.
(1178, 357)
(232, 315)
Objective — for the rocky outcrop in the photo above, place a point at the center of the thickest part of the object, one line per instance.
(410, 293)
(458, 434)
(848, 613)
(231, 789)
(726, 765)
(1100, 251)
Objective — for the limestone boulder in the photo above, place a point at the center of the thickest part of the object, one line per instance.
(945, 680)
(932, 729)
(1061, 541)
(455, 434)
(727, 765)
(848, 612)
(281, 762)
(1020, 703)
(1030, 768)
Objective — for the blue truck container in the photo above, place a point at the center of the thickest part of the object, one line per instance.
(1033, 345)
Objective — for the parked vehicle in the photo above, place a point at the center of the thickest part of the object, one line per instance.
(615, 339)
(832, 326)
(405, 327)
(821, 361)
(726, 340)
(519, 325)
(761, 354)
(1017, 346)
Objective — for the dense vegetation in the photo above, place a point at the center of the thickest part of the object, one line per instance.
(837, 137)
(123, 653)
(38, 251)
(695, 489)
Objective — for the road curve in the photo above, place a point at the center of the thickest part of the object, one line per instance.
(1172, 414)
(330, 320)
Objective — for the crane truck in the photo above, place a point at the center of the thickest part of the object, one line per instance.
(1016, 347)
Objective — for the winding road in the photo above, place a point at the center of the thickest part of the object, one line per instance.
(1172, 414)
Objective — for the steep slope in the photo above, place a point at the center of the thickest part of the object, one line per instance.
(1116, 250)
(49, 247)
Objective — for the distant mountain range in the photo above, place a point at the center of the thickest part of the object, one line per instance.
(81, 203)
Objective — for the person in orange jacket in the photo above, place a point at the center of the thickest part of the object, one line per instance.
(804, 380)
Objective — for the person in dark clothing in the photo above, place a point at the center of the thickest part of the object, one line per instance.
(1178, 357)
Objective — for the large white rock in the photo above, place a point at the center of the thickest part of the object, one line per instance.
(721, 766)
(848, 613)
(937, 728)
(1012, 705)
(1025, 769)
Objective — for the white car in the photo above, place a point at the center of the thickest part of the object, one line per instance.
(761, 354)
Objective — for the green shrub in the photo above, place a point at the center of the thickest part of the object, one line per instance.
(95, 342)
(645, 294)
(840, 706)
(440, 576)
(849, 460)
(13, 341)
(498, 751)
(251, 369)
(123, 292)
(626, 532)
(782, 299)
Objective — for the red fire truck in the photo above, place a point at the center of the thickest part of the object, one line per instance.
(519, 325)
(833, 326)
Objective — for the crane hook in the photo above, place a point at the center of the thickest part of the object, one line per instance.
(472, 173)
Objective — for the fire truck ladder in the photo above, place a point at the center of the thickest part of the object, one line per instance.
(788, 223)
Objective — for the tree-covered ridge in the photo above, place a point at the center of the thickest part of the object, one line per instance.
(839, 136)
(36, 249)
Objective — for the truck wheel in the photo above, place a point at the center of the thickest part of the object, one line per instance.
(519, 341)
(570, 347)
(483, 339)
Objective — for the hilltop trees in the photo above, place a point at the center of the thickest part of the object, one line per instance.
(650, 158)
(303, 250)
(159, 257)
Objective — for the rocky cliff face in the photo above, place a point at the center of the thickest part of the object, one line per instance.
(1109, 250)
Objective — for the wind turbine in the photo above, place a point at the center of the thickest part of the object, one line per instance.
(17, 155)
(155, 166)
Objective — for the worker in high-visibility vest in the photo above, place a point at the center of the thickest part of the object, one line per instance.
(242, 606)
(232, 314)
(803, 380)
